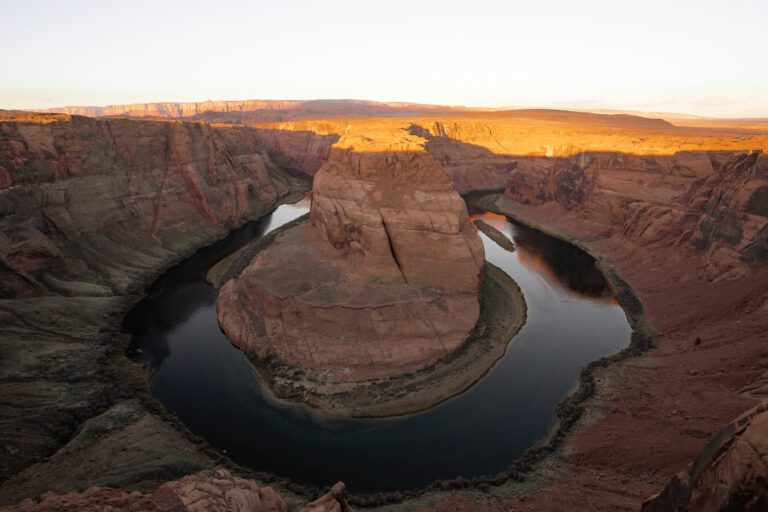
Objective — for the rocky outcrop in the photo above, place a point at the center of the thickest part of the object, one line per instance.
(495, 235)
(383, 281)
(733, 207)
(712, 201)
(681, 234)
(333, 501)
(397, 213)
(216, 491)
(90, 212)
(220, 491)
(731, 473)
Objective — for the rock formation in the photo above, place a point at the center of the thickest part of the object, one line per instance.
(303, 151)
(731, 473)
(688, 237)
(384, 280)
(79, 192)
(215, 491)
(333, 501)
(713, 201)
(478, 150)
(90, 212)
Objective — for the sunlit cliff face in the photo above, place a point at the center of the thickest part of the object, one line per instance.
(534, 134)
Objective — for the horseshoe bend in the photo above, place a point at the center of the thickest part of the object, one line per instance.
(335, 305)
(378, 300)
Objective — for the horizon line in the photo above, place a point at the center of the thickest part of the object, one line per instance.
(497, 108)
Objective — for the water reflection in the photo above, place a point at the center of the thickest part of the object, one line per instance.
(179, 294)
(215, 391)
(562, 264)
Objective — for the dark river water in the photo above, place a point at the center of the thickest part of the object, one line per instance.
(214, 390)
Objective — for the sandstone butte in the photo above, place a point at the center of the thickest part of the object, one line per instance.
(382, 281)
(676, 212)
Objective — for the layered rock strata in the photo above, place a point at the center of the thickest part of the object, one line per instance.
(383, 281)
(731, 473)
(90, 212)
(215, 491)
(478, 151)
(716, 202)
(689, 241)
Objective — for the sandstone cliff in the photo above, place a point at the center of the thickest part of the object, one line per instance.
(731, 472)
(383, 282)
(478, 150)
(686, 231)
(302, 151)
(215, 491)
(713, 201)
(398, 208)
(90, 212)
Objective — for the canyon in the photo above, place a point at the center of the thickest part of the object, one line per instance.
(93, 210)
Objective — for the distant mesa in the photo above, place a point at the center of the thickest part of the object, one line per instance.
(288, 108)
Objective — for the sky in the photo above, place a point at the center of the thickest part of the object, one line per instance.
(700, 57)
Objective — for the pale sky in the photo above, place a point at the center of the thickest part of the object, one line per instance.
(698, 56)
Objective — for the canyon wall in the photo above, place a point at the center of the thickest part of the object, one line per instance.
(689, 237)
(91, 211)
(680, 215)
(728, 474)
(479, 150)
(302, 151)
(714, 202)
(79, 194)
